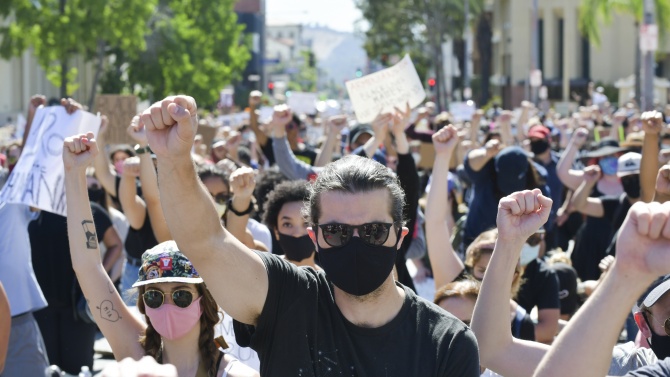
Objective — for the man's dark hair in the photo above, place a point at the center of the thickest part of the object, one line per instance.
(354, 174)
(285, 192)
(209, 171)
(244, 155)
(267, 180)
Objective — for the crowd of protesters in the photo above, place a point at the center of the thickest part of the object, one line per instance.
(508, 244)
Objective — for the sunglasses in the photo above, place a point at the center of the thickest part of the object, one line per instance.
(154, 298)
(666, 323)
(535, 239)
(337, 235)
(221, 198)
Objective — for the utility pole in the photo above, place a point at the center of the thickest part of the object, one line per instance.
(648, 45)
(468, 47)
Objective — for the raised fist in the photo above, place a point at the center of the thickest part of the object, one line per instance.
(401, 120)
(521, 214)
(336, 124)
(131, 166)
(380, 124)
(663, 180)
(171, 126)
(243, 182)
(592, 174)
(79, 151)
(281, 117)
(255, 98)
(445, 141)
(36, 101)
(643, 244)
(71, 105)
(137, 132)
(652, 122)
(579, 137)
(493, 147)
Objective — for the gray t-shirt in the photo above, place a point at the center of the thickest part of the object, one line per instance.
(628, 357)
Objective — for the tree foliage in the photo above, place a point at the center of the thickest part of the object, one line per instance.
(592, 13)
(195, 47)
(57, 30)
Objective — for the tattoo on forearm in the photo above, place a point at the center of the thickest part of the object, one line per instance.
(107, 311)
(91, 237)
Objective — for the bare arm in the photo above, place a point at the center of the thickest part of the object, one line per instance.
(446, 264)
(581, 201)
(506, 128)
(242, 184)
(546, 327)
(571, 178)
(652, 122)
(499, 351)
(334, 130)
(114, 247)
(119, 326)
(478, 158)
(104, 172)
(254, 103)
(474, 127)
(240, 275)
(5, 326)
(134, 207)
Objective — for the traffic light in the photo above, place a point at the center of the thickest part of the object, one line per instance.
(431, 83)
(359, 73)
(271, 87)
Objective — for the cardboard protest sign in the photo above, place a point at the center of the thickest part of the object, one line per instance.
(38, 178)
(302, 103)
(120, 109)
(382, 91)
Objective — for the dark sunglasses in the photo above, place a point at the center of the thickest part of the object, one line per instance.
(154, 298)
(291, 126)
(221, 198)
(337, 235)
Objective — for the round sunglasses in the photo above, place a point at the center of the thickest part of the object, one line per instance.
(666, 323)
(221, 198)
(154, 298)
(337, 235)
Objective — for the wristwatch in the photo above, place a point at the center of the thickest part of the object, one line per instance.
(139, 150)
(237, 213)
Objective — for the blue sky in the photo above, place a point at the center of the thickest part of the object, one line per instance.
(336, 14)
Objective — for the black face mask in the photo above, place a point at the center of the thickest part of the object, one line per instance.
(631, 185)
(659, 344)
(296, 248)
(539, 146)
(96, 195)
(358, 268)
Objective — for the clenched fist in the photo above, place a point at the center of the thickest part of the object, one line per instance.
(79, 151)
(171, 126)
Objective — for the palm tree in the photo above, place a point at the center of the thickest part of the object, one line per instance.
(593, 12)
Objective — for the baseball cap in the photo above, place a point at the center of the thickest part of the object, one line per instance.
(605, 147)
(539, 131)
(164, 263)
(655, 291)
(628, 164)
(359, 130)
(511, 166)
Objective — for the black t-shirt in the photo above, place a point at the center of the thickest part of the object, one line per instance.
(615, 208)
(660, 369)
(539, 288)
(301, 332)
(567, 282)
(138, 240)
(51, 253)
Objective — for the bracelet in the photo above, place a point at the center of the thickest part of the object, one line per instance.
(139, 150)
(243, 213)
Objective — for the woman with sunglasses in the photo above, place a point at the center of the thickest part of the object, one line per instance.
(180, 313)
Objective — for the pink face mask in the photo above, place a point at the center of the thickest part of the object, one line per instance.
(173, 322)
(118, 166)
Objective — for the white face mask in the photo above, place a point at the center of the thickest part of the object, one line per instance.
(220, 209)
(529, 253)
(416, 157)
(665, 146)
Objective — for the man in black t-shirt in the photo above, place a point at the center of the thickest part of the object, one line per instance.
(354, 320)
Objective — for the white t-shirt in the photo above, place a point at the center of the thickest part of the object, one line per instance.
(628, 357)
(260, 232)
(16, 267)
(245, 355)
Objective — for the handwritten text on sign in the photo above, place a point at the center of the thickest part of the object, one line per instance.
(382, 91)
(38, 178)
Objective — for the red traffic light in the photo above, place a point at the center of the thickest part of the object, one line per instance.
(271, 85)
(431, 82)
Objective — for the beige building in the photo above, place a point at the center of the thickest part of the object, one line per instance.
(564, 54)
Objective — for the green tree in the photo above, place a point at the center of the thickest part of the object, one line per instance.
(195, 47)
(58, 30)
(594, 13)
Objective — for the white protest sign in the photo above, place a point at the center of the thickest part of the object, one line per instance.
(302, 103)
(462, 111)
(38, 178)
(382, 91)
